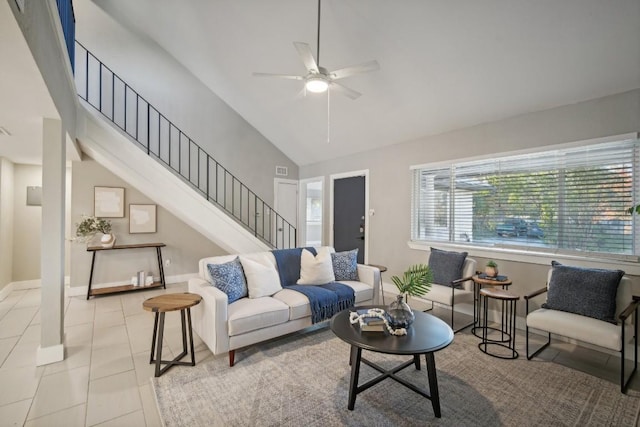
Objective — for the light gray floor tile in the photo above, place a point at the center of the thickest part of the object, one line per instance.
(105, 319)
(107, 337)
(70, 417)
(33, 333)
(111, 360)
(60, 391)
(23, 354)
(14, 414)
(151, 416)
(108, 304)
(16, 321)
(78, 317)
(30, 299)
(76, 356)
(6, 345)
(36, 318)
(19, 384)
(112, 397)
(132, 419)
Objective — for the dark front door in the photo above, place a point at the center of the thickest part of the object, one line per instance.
(348, 215)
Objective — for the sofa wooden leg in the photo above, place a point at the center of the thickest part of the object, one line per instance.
(232, 357)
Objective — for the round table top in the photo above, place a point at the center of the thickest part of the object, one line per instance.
(382, 268)
(498, 294)
(171, 302)
(490, 282)
(427, 334)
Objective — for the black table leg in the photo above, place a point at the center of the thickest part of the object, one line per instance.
(433, 383)
(356, 355)
(93, 261)
(416, 361)
(153, 340)
(159, 344)
(193, 354)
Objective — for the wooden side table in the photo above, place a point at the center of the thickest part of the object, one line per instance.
(161, 305)
(382, 269)
(478, 284)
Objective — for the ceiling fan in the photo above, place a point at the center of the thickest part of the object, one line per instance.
(318, 79)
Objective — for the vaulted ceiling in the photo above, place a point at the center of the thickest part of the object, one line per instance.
(444, 65)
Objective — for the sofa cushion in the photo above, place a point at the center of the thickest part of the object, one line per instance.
(262, 276)
(229, 278)
(315, 270)
(446, 266)
(247, 314)
(585, 291)
(288, 264)
(299, 306)
(362, 291)
(345, 265)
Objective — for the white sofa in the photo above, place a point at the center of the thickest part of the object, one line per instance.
(226, 327)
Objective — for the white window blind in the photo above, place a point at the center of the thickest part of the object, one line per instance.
(572, 200)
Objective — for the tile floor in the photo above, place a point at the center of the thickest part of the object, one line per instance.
(104, 379)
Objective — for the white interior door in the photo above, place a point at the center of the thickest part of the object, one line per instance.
(286, 205)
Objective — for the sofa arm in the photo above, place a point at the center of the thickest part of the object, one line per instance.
(370, 276)
(210, 316)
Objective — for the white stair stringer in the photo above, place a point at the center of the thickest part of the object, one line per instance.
(106, 144)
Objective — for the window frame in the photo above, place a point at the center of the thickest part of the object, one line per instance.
(525, 253)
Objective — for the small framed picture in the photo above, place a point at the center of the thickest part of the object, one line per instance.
(142, 219)
(108, 202)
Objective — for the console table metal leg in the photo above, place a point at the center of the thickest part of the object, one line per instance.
(93, 261)
(355, 373)
(433, 383)
(161, 267)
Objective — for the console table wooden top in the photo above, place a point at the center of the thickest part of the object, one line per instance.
(133, 246)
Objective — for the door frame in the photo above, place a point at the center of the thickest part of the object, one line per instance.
(277, 181)
(332, 178)
(302, 210)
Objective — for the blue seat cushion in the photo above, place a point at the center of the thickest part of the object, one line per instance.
(586, 291)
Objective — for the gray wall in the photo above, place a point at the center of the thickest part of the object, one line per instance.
(184, 245)
(183, 99)
(390, 178)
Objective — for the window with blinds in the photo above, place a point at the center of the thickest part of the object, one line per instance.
(568, 200)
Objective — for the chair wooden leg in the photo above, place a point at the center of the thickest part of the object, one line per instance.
(232, 357)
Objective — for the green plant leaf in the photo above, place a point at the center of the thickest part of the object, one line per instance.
(416, 281)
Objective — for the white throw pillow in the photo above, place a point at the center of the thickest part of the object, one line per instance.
(316, 270)
(262, 277)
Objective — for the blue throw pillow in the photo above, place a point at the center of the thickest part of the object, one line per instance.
(446, 266)
(586, 291)
(229, 278)
(345, 265)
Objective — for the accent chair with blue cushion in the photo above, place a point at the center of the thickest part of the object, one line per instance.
(595, 306)
(452, 283)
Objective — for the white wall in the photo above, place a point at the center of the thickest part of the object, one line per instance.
(6, 221)
(390, 178)
(183, 99)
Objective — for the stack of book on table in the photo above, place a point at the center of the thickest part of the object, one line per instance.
(370, 323)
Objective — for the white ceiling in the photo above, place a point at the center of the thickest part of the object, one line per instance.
(24, 98)
(444, 64)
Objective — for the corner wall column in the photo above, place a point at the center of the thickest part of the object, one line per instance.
(51, 347)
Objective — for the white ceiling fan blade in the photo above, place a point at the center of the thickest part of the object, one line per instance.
(307, 57)
(345, 90)
(282, 76)
(365, 67)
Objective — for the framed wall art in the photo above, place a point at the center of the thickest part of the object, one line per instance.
(108, 202)
(142, 219)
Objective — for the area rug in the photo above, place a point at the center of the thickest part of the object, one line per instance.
(303, 379)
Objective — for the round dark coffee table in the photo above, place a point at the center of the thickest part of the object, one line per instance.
(426, 335)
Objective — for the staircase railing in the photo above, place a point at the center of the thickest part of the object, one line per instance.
(162, 140)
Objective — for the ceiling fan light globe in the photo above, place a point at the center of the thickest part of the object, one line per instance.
(317, 85)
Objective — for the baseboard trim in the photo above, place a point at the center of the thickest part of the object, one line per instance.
(74, 291)
(51, 354)
(23, 285)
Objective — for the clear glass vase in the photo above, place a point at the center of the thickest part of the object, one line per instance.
(400, 314)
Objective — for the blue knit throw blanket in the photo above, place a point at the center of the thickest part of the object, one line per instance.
(326, 300)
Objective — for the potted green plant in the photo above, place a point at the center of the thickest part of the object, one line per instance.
(491, 269)
(89, 226)
(416, 281)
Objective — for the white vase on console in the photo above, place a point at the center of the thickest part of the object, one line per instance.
(108, 240)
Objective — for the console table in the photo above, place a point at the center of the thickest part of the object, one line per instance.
(125, 288)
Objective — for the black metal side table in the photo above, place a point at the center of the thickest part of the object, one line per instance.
(508, 326)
